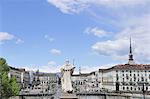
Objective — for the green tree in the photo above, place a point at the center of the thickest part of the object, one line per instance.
(8, 86)
(3, 66)
(6, 92)
(15, 89)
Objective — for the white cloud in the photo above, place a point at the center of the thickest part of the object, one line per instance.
(68, 6)
(96, 31)
(18, 41)
(50, 67)
(55, 51)
(46, 68)
(112, 46)
(86, 69)
(105, 66)
(118, 47)
(52, 63)
(128, 17)
(75, 6)
(50, 39)
(4, 36)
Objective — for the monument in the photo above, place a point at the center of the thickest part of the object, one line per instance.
(67, 70)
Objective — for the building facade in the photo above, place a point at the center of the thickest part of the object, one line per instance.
(22, 76)
(130, 77)
(86, 82)
(44, 82)
(127, 77)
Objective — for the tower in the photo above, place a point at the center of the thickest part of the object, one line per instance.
(131, 60)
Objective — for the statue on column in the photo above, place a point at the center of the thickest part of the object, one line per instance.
(67, 71)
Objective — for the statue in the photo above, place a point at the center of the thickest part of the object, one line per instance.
(67, 71)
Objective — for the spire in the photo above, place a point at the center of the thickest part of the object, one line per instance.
(130, 46)
(131, 60)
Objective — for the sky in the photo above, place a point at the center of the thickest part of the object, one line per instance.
(43, 34)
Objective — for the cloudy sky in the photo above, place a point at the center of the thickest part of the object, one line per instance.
(42, 34)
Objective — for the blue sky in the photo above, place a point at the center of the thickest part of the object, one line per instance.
(42, 34)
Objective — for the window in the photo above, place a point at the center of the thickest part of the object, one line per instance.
(131, 88)
(123, 83)
(139, 88)
(123, 88)
(145, 80)
(146, 88)
(142, 78)
(117, 77)
(135, 89)
(130, 79)
(127, 88)
(130, 71)
(130, 74)
(134, 78)
(127, 77)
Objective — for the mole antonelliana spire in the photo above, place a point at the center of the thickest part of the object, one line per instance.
(131, 60)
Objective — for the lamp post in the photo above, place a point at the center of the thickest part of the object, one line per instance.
(143, 91)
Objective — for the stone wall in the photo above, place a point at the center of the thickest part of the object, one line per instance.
(84, 97)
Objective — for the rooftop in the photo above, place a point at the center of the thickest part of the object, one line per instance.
(128, 67)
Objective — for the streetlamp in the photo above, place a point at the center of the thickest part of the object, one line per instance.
(143, 91)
